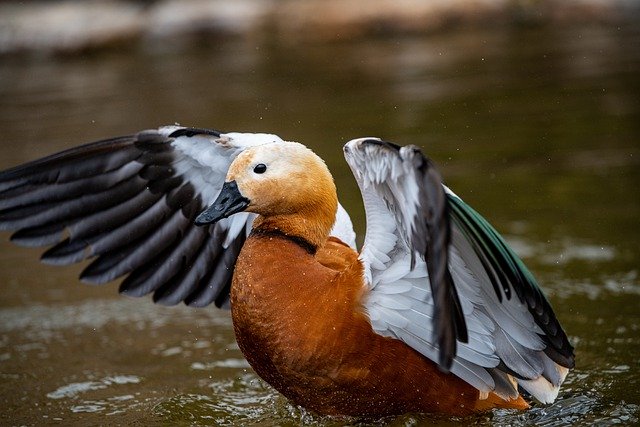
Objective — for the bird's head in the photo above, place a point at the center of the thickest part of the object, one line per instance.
(280, 182)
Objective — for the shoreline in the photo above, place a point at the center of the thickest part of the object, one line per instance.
(70, 27)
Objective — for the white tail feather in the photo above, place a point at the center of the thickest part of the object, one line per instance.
(541, 389)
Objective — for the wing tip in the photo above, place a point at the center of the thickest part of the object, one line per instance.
(191, 132)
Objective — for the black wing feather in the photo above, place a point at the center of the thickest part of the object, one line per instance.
(508, 270)
(219, 278)
(184, 284)
(120, 202)
(448, 318)
(171, 262)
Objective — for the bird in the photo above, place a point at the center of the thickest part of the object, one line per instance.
(434, 314)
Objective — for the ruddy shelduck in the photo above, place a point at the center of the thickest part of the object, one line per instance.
(435, 313)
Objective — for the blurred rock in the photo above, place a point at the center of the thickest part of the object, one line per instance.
(68, 26)
(235, 17)
(71, 26)
(335, 19)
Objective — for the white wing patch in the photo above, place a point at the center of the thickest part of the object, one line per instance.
(343, 228)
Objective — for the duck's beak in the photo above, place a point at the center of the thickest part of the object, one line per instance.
(229, 201)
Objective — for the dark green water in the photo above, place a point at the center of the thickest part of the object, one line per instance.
(538, 129)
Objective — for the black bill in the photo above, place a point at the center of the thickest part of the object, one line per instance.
(228, 202)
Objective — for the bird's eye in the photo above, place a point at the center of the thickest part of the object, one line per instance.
(260, 168)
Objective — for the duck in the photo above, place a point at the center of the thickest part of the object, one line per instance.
(434, 314)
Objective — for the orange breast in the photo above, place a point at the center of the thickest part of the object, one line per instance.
(298, 320)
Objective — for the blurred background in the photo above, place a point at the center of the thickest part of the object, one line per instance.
(531, 109)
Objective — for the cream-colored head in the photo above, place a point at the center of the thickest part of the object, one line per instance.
(289, 186)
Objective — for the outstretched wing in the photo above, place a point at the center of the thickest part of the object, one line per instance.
(411, 220)
(128, 203)
(407, 222)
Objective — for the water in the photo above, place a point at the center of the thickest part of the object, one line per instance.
(536, 128)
